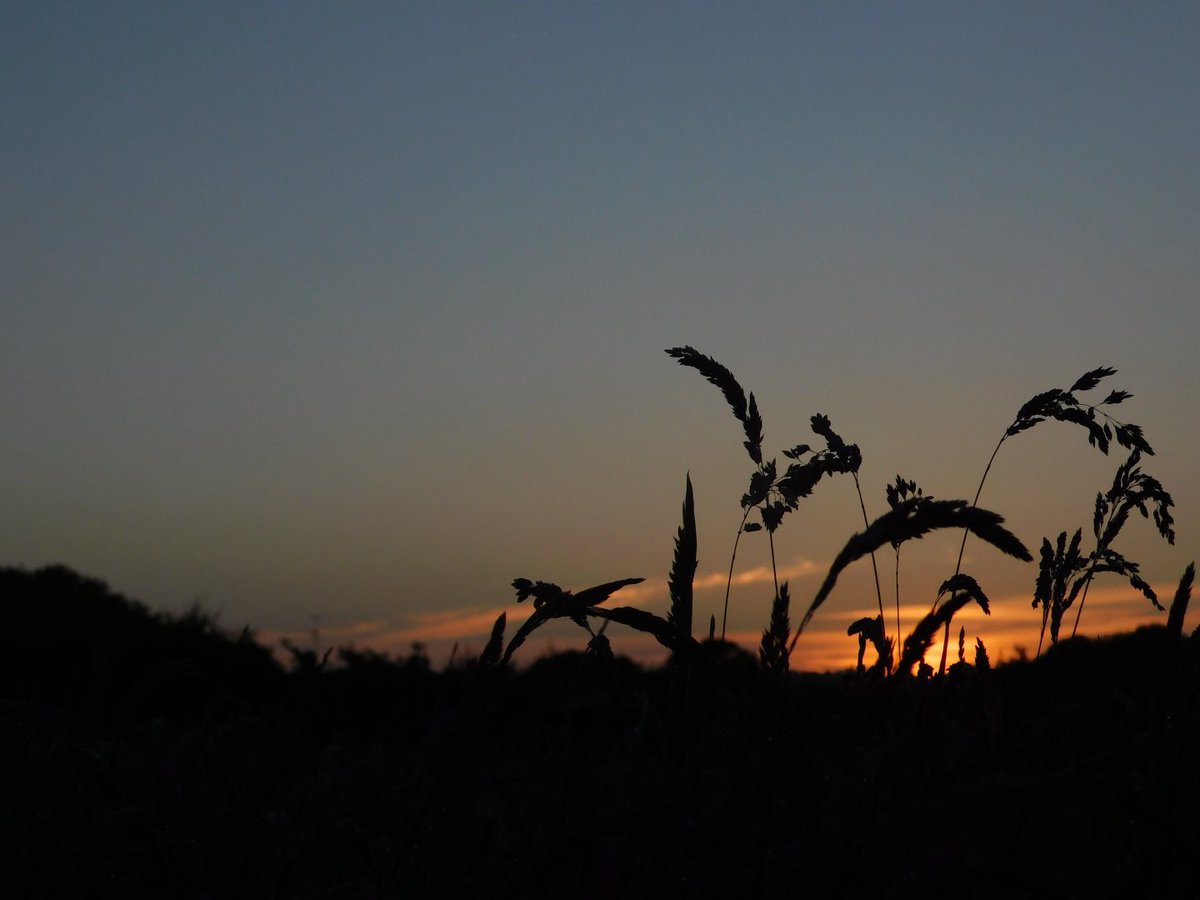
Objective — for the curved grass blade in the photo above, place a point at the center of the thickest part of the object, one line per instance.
(917, 644)
(655, 626)
(529, 626)
(601, 592)
(562, 604)
(965, 584)
(911, 519)
(746, 411)
(1180, 604)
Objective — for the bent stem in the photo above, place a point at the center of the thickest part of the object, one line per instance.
(732, 559)
(897, 593)
(1042, 634)
(963, 546)
(1083, 597)
(1087, 583)
(874, 568)
(774, 572)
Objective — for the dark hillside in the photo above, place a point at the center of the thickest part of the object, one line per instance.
(68, 642)
(145, 755)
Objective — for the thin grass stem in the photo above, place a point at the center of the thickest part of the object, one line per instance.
(898, 631)
(874, 568)
(1087, 583)
(1091, 572)
(963, 546)
(732, 559)
(774, 573)
(1082, 597)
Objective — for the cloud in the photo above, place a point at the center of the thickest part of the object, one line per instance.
(440, 630)
(759, 575)
(443, 626)
(824, 646)
(391, 636)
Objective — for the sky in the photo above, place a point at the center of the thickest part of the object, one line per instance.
(358, 311)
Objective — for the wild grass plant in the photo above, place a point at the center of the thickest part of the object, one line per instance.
(773, 492)
(1065, 574)
(940, 740)
(141, 756)
(202, 768)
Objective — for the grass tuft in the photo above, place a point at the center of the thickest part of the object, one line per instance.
(911, 519)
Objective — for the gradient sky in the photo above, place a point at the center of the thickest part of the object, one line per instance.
(358, 310)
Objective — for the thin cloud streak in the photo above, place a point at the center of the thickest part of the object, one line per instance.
(759, 575)
(465, 625)
(1012, 627)
(444, 626)
(423, 628)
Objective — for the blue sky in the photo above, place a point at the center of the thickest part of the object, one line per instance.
(358, 310)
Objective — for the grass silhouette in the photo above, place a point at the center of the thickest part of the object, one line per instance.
(205, 768)
(150, 755)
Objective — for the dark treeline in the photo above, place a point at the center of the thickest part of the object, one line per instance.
(149, 755)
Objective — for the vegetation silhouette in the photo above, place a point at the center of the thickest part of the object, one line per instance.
(379, 776)
(143, 754)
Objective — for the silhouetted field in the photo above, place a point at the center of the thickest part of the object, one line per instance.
(145, 755)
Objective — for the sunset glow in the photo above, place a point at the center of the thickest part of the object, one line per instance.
(460, 448)
(1010, 631)
(360, 313)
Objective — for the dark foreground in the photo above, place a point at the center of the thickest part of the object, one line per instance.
(147, 756)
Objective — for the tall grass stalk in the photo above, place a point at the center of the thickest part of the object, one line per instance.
(732, 560)
(896, 493)
(914, 518)
(683, 566)
(773, 494)
(1063, 406)
(1132, 489)
(874, 567)
(1064, 574)
(963, 546)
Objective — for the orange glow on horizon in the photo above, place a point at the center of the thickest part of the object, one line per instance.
(1013, 625)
